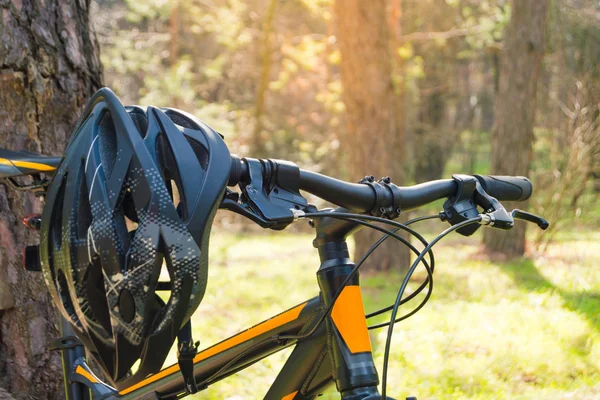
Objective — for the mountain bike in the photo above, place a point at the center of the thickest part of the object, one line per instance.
(329, 332)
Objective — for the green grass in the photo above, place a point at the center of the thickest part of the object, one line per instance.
(522, 330)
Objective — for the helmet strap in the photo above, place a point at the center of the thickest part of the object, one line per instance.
(186, 351)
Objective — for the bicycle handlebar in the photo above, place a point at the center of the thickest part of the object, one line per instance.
(362, 197)
(354, 196)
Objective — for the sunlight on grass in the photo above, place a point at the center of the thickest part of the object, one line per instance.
(525, 330)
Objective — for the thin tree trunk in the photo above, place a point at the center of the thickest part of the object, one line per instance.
(50, 66)
(512, 135)
(174, 33)
(432, 140)
(174, 44)
(258, 145)
(398, 79)
(373, 142)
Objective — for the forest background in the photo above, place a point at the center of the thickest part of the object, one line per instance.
(414, 90)
(269, 75)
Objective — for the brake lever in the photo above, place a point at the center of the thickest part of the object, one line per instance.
(525, 216)
(501, 219)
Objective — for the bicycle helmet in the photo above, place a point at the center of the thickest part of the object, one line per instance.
(137, 192)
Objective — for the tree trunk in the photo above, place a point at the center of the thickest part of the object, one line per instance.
(512, 135)
(174, 25)
(373, 141)
(432, 141)
(50, 66)
(258, 136)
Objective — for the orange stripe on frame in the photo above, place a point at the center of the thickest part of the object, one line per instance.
(266, 326)
(278, 320)
(81, 371)
(290, 396)
(348, 314)
(27, 164)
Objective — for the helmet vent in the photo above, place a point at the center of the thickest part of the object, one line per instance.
(181, 120)
(82, 206)
(171, 177)
(97, 293)
(107, 143)
(131, 225)
(200, 151)
(63, 292)
(131, 215)
(165, 281)
(126, 305)
(139, 119)
(136, 366)
(175, 196)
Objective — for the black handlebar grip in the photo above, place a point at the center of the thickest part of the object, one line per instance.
(506, 188)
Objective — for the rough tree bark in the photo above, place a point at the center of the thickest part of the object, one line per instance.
(49, 66)
(512, 135)
(373, 141)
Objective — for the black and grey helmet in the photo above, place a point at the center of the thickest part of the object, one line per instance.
(137, 189)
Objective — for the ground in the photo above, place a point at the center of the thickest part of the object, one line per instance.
(528, 329)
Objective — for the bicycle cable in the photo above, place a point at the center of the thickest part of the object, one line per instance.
(428, 281)
(386, 352)
(357, 218)
(413, 294)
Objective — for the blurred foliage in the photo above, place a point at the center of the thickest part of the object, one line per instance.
(208, 57)
(566, 166)
(205, 57)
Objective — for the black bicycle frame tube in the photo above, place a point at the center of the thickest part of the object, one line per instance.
(291, 322)
(348, 340)
(307, 371)
(70, 355)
